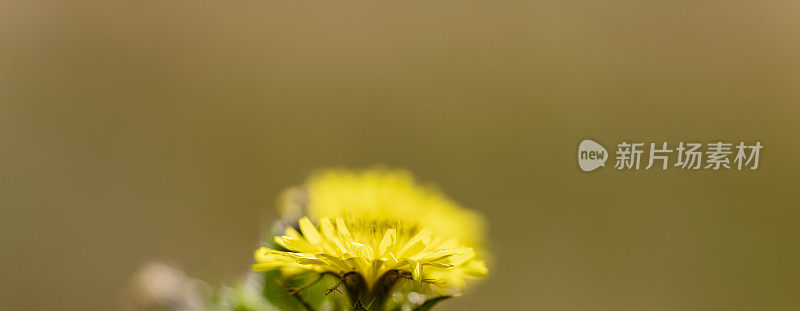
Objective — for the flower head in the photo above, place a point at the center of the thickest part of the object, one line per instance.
(372, 249)
(372, 229)
(383, 194)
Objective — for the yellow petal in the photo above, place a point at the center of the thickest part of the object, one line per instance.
(326, 226)
(363, 251)
(388, 240)
(290, 232)
(309, 260)
(476, 268)
(309, 231)
(417, 243)
(342, 227)
(298, 245)
(416, 270)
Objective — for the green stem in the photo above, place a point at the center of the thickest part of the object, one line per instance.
(302, 302)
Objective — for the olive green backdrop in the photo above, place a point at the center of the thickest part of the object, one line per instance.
(165, 129)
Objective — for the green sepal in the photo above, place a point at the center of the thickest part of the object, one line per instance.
(431, 302)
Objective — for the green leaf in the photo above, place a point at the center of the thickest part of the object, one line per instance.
(325, 291)
(431, 302)
(276, 292)
(304, 291)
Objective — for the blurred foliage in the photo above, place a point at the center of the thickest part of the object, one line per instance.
(273, 290)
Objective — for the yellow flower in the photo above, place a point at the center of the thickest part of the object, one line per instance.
(372, 249)
(380, 194)
(378, 226)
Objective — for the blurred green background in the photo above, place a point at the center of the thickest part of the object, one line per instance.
(165, 129)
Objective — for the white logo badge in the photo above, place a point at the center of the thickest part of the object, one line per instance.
(591, 155)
